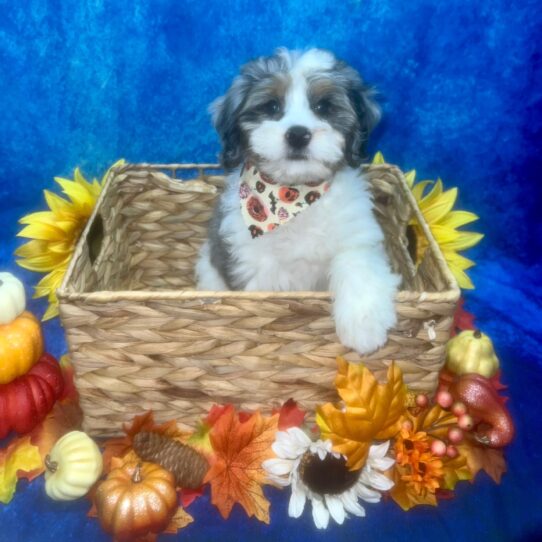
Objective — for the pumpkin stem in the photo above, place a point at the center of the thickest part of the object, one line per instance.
(136, 477)
(477, 334)
(51, 466)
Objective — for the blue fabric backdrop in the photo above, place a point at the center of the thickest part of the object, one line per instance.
(86, 82)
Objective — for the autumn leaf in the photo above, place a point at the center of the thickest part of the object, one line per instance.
(435, 421)
(180, 520)
(70, 391)
(290, 415)
(462, 319)
(455, 470)
(200, 438)
(188, 496)
(372, 411)
(236, 474)
(415, 485)
(480, 457)
(17, 460)
(405, 495)
(120, 446)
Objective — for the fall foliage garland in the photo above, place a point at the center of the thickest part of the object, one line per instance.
(379, 438)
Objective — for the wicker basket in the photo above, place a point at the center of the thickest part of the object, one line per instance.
(142, 338)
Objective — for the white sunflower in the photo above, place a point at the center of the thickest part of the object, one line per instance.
(320, 475)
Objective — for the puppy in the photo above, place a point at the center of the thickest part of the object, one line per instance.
(296, 213)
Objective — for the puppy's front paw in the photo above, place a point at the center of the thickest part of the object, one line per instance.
(364, 328)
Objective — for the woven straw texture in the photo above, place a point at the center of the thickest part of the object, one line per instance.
(142, 338)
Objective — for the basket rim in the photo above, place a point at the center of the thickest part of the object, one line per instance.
(451, 294)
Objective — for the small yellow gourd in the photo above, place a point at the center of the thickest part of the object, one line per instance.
(12, 298)
(471, 352)
(72, 467)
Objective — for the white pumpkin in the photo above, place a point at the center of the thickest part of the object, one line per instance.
(72, 467)
(12, 298)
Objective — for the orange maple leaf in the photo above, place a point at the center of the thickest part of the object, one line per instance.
(480, 457)
(236, 474)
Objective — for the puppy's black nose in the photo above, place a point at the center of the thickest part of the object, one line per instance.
(298, 137)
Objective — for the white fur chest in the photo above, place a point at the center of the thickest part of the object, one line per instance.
(297, 255)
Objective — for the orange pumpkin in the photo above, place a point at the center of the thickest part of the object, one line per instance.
(135, 500)
(21, 345)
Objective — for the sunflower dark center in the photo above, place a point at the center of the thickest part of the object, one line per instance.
(408, 445)
(328, 476)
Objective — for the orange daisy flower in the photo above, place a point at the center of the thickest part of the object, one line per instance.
(421, 468)
(425, 473)
(409, 446)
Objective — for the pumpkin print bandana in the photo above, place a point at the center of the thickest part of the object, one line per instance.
(267, 204)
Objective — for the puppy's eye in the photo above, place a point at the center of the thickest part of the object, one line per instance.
(322, 107)
(272, 107)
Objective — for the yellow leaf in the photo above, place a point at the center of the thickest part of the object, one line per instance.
(57, 204)
(200, 438)
(464, 240)
(418, 189)
(462, 278)
(457, 219)
(379, 158)
(372, 411)
(20, 456)
(405, 495)
(179, 521)
(410, 177)
(455, 470)
(440, 207)
(433, 195)
(41, 231)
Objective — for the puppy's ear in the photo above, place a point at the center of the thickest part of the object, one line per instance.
(225, 111)
(368, 114)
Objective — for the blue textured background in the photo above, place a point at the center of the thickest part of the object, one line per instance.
(84, 83)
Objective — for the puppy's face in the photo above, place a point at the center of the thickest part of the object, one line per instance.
(298, 117)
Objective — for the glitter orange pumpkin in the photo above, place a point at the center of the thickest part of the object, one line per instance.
(136, 499)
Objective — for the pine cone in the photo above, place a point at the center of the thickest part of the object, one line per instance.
(186, 464)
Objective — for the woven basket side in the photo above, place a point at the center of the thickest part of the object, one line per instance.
(179, 358)
(100, 256)
(165, 222)
(141, 338)
(393, 212)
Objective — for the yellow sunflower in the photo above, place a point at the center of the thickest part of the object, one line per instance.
(436, 207)
(55, 232)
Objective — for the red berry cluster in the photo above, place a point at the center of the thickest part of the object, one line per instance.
(455, 432)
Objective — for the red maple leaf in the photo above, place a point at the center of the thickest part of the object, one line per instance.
(462, 319)
(290, 415)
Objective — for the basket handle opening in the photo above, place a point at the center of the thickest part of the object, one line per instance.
(95, 238)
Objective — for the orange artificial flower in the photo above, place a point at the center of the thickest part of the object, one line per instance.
(409, 446)
(421, 469)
